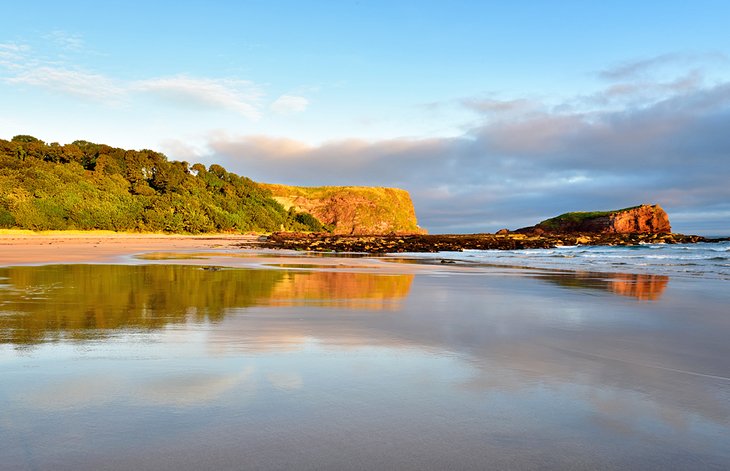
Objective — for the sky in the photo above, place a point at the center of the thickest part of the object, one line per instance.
(491, 114)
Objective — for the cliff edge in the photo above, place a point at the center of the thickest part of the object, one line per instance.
(643, 219)
(352, 209)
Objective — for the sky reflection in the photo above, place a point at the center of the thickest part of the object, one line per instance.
(462, 370)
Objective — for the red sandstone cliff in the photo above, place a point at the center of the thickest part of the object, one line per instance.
(644, 219)
(352, 209)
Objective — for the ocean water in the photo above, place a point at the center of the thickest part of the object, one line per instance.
(703, 260)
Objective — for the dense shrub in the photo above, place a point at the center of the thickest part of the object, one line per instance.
(94, 186)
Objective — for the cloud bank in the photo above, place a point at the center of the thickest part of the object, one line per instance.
(525, 160)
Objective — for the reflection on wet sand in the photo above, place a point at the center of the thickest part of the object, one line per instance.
(346, 290)
(473, 370)
(87, 301)
(643, 287)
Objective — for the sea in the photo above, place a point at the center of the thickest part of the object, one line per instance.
(700, 260)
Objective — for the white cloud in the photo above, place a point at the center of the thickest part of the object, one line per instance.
(491, 105)
(13, 47)
(643, 92)
(239, 96)
(636, 69)
(289, 104)
(184, 149)
(66, 40)
(13, 50)
(77, 83)
(24, 66)
(12, 55)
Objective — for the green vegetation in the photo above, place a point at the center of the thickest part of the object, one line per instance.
(88, 186)
(308, 220)
(577, 217)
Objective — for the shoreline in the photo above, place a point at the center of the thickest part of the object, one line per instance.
(218, 250)
(308, 252)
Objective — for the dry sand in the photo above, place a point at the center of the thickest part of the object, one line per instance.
(27, 248)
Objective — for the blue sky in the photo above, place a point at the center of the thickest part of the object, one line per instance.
(492, 114)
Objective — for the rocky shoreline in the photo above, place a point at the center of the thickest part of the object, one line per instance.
(322, 242)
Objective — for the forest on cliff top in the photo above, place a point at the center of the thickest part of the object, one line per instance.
(86, 186)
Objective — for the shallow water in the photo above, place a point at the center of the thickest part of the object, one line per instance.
(179, 367)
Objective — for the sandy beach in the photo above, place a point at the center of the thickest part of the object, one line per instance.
(26, 248)
(23, 248)
(127, 351)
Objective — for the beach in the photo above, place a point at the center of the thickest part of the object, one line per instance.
(62, 247)
(361, 235)
(25, 247)
(176, 352)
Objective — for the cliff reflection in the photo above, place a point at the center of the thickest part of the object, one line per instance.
(643, 287)
(350, 290)
(87, 301)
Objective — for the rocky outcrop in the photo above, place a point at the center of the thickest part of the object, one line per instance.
(352, 209)
(644, 219)
(458, 242)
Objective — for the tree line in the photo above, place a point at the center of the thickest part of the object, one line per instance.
(84, 186)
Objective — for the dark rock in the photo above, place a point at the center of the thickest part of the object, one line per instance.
(459, 242)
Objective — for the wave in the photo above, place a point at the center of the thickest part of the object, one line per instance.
(701, 259)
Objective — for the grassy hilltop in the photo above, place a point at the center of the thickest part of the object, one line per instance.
(89, 186)
(578, 217)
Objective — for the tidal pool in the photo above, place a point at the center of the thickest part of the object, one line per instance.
(185, 367)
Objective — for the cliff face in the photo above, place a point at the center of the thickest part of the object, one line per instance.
(353, 209)
(644, 219)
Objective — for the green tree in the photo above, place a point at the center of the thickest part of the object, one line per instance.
(84, 185)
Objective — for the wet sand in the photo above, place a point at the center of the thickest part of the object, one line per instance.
(226, 250)
(120, 356)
